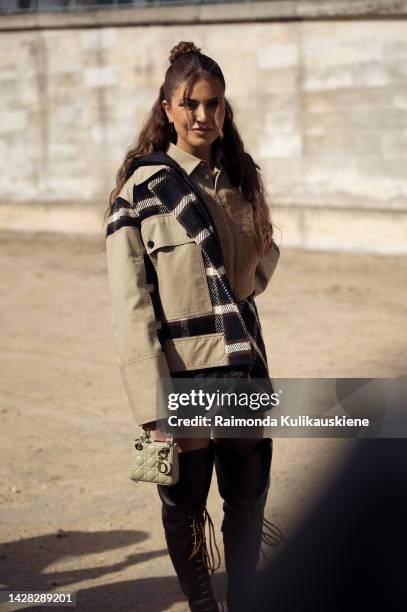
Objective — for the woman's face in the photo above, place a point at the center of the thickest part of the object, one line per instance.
(194, 121)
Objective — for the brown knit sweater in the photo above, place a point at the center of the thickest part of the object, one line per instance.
(232, 216)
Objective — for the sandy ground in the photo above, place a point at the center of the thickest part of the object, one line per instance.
(66, 429)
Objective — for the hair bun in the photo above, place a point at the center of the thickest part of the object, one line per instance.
(181, 49)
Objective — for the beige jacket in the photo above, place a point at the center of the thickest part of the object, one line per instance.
(163, 243)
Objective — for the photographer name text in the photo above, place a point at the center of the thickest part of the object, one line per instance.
(267, 421)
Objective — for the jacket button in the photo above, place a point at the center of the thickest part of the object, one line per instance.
(150, 244)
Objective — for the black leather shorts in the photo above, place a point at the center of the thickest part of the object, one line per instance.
(217, 372)
(229, 373)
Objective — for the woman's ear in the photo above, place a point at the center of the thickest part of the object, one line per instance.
(167, 110)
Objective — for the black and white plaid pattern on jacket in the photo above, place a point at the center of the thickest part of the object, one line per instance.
(238, 321)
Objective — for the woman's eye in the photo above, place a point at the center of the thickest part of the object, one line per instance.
(188, 104)
(193, 105)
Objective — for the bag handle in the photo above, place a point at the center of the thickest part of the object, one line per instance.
(159, 435)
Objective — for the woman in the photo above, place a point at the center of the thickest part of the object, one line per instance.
(186, 254)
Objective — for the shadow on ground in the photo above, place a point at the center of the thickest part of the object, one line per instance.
(24, 563)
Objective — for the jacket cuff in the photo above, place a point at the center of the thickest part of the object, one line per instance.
(140, 381)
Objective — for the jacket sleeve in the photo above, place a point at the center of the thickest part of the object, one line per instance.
(142, 360)
(265, 269)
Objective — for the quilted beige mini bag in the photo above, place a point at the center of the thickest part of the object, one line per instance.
(155, 461)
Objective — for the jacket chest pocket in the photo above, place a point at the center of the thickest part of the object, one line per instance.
(178, 261)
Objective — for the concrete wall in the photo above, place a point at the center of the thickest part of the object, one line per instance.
(321, 104)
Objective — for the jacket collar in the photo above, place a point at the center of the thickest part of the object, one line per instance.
(187, 161)
(175, 194)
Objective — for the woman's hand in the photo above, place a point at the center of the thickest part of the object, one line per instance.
(158, 427)
(151, 426)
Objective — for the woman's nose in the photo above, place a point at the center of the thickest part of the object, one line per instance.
(201, 113)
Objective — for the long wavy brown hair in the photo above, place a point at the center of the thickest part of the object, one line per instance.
(187, 66)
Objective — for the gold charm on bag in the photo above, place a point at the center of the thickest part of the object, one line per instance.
(163, 465)
(139, 442)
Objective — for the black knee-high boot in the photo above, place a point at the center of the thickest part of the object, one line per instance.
(184, 518)
(243, 482)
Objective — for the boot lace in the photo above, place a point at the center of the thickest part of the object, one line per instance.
(271, 534)
(198, 526)
(210, 561)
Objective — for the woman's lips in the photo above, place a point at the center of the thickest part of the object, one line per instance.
(202, 130)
